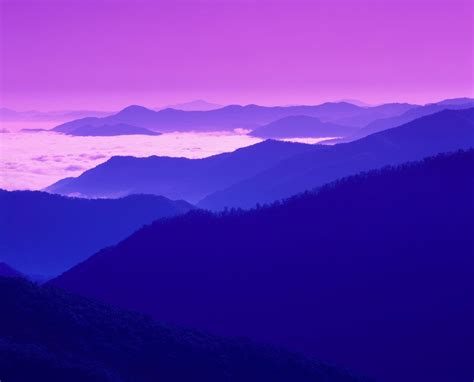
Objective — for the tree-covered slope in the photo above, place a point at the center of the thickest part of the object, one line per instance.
(374, 271)
(49, 335)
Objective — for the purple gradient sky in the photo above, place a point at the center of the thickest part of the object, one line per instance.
(101, 54)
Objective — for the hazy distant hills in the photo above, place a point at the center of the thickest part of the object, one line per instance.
(39, 116)
(196, 105)
(270, 170)
(374, 271)
(376, 112)
(456, 101)
(301, 126)
(44, 234)
(202, 116)
(396, 114)
(236, 117)
(355, 102)
(447, 130)
(414, 113)
(346, 116)
(48, 334)
(177, 178)
(110, 130)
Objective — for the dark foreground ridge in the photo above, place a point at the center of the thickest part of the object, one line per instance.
(7, 271)
(49, 335)
(374, 271)
(43, 234)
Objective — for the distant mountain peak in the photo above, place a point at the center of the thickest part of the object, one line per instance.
(196, 105)
(354, 102)
(135, 109)
(455, 101)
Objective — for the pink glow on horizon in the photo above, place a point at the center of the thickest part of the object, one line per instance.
(108, 54)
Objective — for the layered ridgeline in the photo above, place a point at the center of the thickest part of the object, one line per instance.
(50, 335)
(237, 117)
(346, 117)
(271, 170)
(412, 114)
(196, 105)
(445, 131)
(304, 126)
(44, 234)
(301, 126)
(41, 116)
(110, 130)
(373, 272)
(177, 178)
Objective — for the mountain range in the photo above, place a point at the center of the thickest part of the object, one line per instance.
(412, 114)
(237, 117)
(373, 271)
(445, 131)
(38, 116)
(177, 178)
(196, 105)
(301, 126)
(271, 170)
(49, 335)
(43, 234)
(110, 130)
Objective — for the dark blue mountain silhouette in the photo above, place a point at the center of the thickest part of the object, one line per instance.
(177, 178)
(374, 271)
(444, 131)
(7, 271)
(44, 234)
(111, 130)
(233, 116)
(299, 127)
(49, 335)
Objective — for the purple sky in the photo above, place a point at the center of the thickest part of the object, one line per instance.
(107, 54)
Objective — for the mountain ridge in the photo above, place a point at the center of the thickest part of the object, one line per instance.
(110, 130)
(300, 126)
(90, 341)
(177, 178)
(319, 272)
(231, 117)
(447, 130)
(62, 230)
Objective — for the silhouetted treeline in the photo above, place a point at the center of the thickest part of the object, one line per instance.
(374, 271)
(49, 335)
